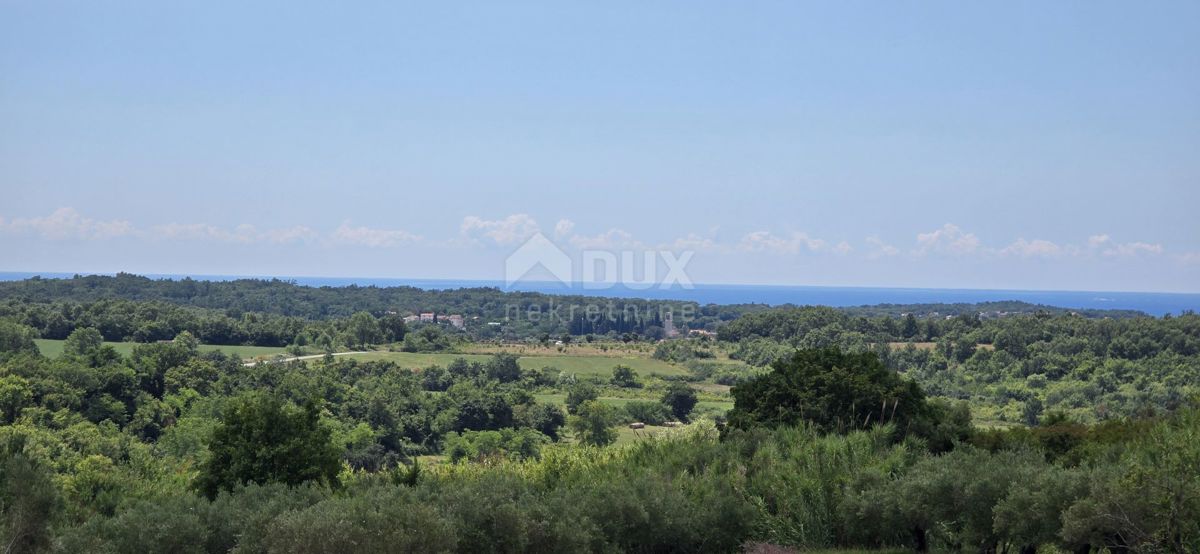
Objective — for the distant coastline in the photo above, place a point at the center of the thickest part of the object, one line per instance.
(1153, 303)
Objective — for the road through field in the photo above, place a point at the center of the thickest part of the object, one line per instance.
(308, 357)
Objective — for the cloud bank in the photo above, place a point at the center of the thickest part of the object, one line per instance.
(948, 241)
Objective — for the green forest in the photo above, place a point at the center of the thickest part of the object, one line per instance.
(808, 428)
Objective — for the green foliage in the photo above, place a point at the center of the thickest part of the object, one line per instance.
(111, 444)
(1150, 500)
(796, 479)
(680, 399)
(152, 361)
(648, 412)
(481, 408)
(760, 352)
(96, 485)
(579, 393)
(29, 501)
(362, 331)
(15, 395)
(944, 426)
(16, 339)
(276, 313)
(477, 446)
(1014, 365)
(546, 419)
(407, 476)
(377, 520)
(625, 377)
(682, 350)
(833, 390)
(83, 342)
(593, 423)
(428, 338)
(503, 368)
(262, 440)
(392, 327)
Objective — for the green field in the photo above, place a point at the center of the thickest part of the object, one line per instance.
(577, 364)
(580, 365)
(701, 406)
(54, 348)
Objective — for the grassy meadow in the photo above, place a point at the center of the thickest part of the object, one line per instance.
(54, 348)
(577, 362)
(583, 361)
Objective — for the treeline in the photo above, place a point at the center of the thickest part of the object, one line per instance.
(263, 312)
(522, 314)
(150, 321)
(1002, 308)
(1012, 369)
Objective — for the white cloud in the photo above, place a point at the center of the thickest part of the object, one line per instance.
(367, 236)
(1112, 249)
(199, 231)
(563, 228)
(612, 239)
(67, 223)
(1096, 241)
(297, 233)
(510, 230)
(243, 234)
(880, 249)
(1030, 249)
(693, 242)
(1133, 249)
(950, 239)
(759, 241)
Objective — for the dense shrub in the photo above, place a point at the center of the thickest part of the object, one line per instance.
(833, 390)
(648, 412)
(261, 440)
(476, 446)
(377, 519)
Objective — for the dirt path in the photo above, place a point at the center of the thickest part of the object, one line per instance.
(308, 357)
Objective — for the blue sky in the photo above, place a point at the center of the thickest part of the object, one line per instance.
(920, 144)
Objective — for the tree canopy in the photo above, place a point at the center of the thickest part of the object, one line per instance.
(829, 389)
(263, 440)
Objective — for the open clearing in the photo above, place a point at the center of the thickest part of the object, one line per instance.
(578, 364)
(54, 348)
(598, 349)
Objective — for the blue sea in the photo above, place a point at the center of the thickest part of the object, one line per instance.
(1154, 303)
